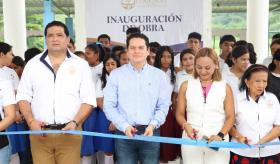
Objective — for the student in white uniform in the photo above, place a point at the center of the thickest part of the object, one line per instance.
(257, 119)
(7, 116)
(194, 42)
(103, 125)
(187, 64)
(241, 61)
(205, 108)
(165, 62)
(226, 45)
(6, 57)
(94, 54)
(94, 57)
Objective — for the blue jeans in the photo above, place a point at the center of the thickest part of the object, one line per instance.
(5, 154)
(132, 151)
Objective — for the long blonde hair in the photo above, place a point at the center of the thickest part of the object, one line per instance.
(208, 52)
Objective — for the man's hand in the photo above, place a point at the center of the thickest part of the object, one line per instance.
(19, 118)
(149, 130)
(130, 131)
(112, 127)
(70, 126)
(37, 125)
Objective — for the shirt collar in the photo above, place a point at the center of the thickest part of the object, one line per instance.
(244, 96)
(45, 54)
(134, 69)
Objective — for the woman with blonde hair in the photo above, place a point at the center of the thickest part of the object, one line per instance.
(205, 110)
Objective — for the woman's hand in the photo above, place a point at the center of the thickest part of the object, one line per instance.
(242, 139)
(215, 138)
(191, 132)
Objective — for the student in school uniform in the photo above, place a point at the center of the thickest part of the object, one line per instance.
(7, 116)
(187, 65)
(241, 60)
(165, 62)
(94, 54)
(103, 125)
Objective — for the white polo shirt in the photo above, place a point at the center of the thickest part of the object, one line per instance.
(56, 98)
(7, 95)
(99, 89)
(168, 77)
(232, 80)
(181, 77)
(223, 65)
(255, 120)
(9, 74)
(97, 72)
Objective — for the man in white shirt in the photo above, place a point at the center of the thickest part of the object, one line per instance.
(56, 92)
(226, 44)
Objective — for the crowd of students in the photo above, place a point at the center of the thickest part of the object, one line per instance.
(144, 88)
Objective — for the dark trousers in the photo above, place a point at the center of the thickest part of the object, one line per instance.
(132, 151)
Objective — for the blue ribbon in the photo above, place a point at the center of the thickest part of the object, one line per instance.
(180, 141)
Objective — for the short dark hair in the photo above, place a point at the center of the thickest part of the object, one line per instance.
(30, 53)
(276, 41)
(5, 48)
(241, 43)
(104, 36)
(79, 53)
(57, 23)
(132, 30)
(239, 51)
(276, 56)
(195, 35)
(98, 49)
(17, 60)
(120, 53)
(229, 38)
(154, 46)
(138, 35)
(117, 48)
(186, 51)
(72, 41)
(276, 36)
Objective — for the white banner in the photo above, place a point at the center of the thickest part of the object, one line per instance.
(165, 21)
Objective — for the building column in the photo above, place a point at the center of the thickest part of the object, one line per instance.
(15, 25)
(207, 23)
(257, 26)
(48, 16)
(80, 25)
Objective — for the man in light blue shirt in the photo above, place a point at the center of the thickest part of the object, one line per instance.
(136, 100)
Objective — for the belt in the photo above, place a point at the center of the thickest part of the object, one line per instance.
(140, 126)
(54, 126)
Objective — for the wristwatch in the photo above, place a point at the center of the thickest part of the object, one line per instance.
(75, 122)
(222, 135)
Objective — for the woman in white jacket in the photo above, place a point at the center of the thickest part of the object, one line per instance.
(207, 103)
